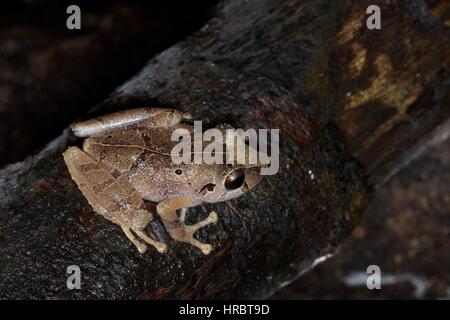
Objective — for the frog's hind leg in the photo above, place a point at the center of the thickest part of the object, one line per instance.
(176, 227)
(112, 197)
(150, 117)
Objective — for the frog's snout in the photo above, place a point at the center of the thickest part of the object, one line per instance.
(186, 116)
(253, 177)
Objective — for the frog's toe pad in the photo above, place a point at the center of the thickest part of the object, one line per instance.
(206, 248)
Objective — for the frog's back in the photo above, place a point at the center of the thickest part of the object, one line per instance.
(142, 155)
(120, 149)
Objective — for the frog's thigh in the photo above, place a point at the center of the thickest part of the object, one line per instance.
(115, 199)
(151, 117)
(167, 209)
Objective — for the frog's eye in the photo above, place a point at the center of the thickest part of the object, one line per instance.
(235, 179)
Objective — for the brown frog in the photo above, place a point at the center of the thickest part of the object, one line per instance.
(126, 158)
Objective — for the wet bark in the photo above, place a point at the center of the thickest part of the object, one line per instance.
(352, 104)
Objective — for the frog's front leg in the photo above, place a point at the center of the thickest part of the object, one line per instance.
(150, 117)
(176, 227)
(110, 196)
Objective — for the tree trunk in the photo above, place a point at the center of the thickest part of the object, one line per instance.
(351, 105)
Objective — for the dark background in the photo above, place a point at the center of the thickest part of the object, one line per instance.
(50, 76)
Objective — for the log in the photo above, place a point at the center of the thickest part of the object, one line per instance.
(352, 105)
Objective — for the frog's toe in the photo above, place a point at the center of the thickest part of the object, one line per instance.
(140, 246)
(206, 248)
(212, 218)
(191, 229)
(187, 116)
(159, 246)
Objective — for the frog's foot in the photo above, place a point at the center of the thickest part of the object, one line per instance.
(139, 245)
(161, 247)
(176, 227)
(189, 231)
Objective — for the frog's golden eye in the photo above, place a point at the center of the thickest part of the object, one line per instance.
(235, 179)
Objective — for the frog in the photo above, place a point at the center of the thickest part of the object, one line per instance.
(125, 160)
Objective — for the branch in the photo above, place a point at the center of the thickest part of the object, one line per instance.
(350, 104)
